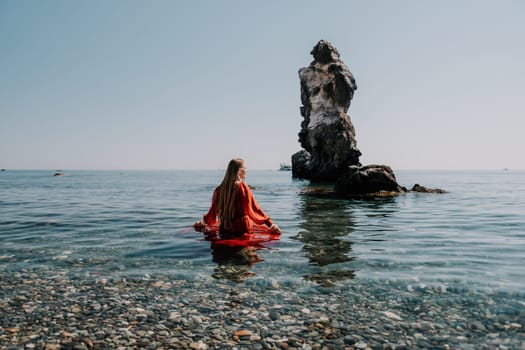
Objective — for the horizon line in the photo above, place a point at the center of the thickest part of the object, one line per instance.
(253, 169)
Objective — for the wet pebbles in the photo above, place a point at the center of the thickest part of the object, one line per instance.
(54, 310)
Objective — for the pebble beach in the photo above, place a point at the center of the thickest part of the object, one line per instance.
(50, 309)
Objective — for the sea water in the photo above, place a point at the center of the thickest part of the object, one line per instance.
(119, 223)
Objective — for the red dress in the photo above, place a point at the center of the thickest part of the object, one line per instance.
(248, 213)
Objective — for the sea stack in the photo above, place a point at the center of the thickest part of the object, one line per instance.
(327, 134)
(330, 152)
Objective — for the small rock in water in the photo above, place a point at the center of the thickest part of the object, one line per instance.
(242, 333)
(198, 345)
(392, 315)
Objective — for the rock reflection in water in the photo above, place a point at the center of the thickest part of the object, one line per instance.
(327, 221)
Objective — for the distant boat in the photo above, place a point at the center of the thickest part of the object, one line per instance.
(285, 167)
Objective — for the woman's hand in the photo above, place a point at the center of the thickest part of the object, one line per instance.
(275, 229)
(199, 226)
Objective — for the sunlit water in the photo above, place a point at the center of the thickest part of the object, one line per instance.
(115, 223)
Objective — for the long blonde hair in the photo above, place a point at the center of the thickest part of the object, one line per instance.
(227, 192)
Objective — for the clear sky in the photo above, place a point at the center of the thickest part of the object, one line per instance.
(190, 84)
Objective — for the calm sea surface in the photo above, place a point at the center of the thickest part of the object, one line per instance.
(115, 223)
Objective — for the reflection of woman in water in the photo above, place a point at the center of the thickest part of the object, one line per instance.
(234, 263)
(234, 210)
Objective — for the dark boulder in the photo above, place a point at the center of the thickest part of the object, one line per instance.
(370, 179)
(300, 164)
(423, 189)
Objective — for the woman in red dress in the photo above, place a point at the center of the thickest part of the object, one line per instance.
(234, 209)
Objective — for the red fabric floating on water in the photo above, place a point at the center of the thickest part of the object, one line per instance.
(260, 234)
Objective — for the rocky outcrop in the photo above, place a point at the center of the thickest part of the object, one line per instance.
(423, 189)
(330, 152)
(370, 179)
(327, 134)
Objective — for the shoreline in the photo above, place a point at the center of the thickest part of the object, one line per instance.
(53, 310)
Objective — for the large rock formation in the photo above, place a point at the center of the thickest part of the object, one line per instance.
(327, 134)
